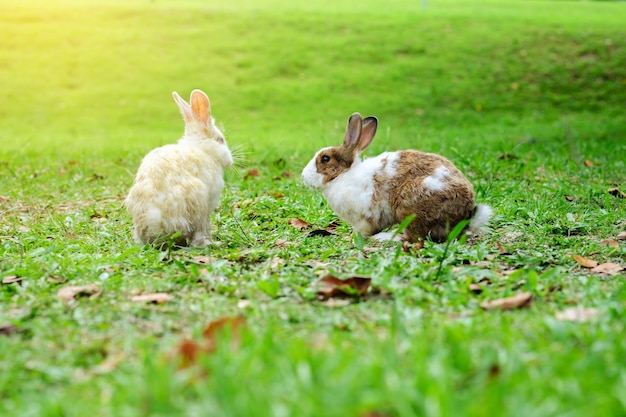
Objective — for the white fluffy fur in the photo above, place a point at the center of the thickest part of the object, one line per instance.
(178, 186)
(310, 176)
(481, 217)
(437, 181)
(350, 194)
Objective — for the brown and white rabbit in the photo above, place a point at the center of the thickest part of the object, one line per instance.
(178, 186)
(378, 192)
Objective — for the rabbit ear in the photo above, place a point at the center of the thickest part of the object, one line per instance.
(370, 124)
(201, 106)
(353, 130)
(185, 109)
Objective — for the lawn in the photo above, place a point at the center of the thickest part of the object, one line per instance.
(527, 98)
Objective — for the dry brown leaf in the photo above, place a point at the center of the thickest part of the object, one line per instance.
(189, 350)
(320, 232)
(587, 263)
(608, 268)
(569, 198)
(616, 192)
(475, 288)
(12, 279)
(156, 298)
(277, 194)
(609, 242)
(110, 363)
(332, 225)
(299, 223)
(204, 260)
(336, 302)
(282, 243)
(253, 173)
(219, 326)
(70, 293)
(588, 163)
(502, 250)
(621, 236)
(520, 300)
(56, 280)
(275, 263)
(408, 246)
(331, 286)
(8, 329)
(579, 314)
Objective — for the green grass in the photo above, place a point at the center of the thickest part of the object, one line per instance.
(517, 94)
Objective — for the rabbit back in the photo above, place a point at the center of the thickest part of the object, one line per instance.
(432, 188)
(175, 190)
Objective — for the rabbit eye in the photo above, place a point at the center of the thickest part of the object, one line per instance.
(325, 159)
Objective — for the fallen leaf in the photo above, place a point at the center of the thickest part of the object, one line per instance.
(253, 173)
(203, 260)
(70, 293)
(320, 232)
(502, 250)
(609, 242)
(286, 174)
(332, 225)
(336, 302)
(4, 199)
(219, 326)
(507, 157)
(587, 263)
(616, 192)
(156, 298)
(608, 268)
(520, 300)
(588, 163)
(8, 329)
(621, 236)
(56, 280)
(110, 363)
(299, 224)
(331, 286)
(277, 195)
(276, 262)
(569, 198)
(12, 279)
(282, 243)
(408, 247)
(578, 314)
(189, 350)
(475, 288)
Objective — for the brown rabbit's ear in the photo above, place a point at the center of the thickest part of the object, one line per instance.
(370, 124)
(353, 130)
(200, 105)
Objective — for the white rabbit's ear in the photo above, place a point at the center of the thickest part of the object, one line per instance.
(353, 130)
(370, 124)
(185, 109)
(201, 106)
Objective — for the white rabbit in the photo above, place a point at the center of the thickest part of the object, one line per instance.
(178, 186)
(375, 193)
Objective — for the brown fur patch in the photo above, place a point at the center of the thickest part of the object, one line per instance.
(334, 161)
(437, 211)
